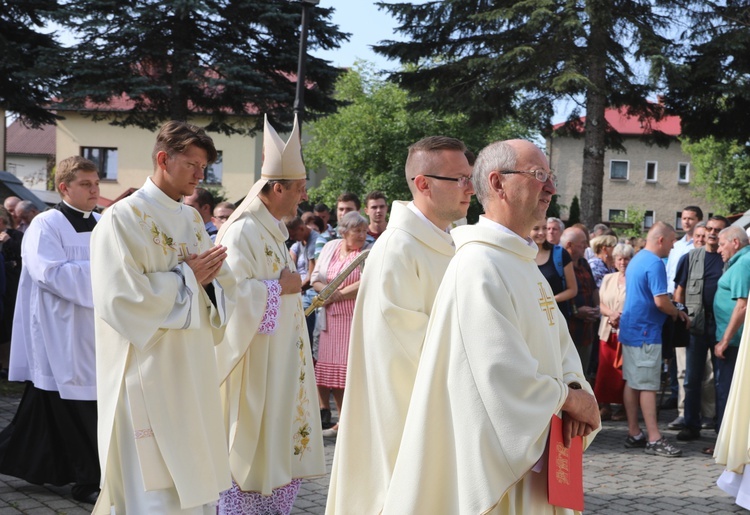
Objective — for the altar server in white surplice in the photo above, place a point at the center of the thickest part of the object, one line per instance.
(162, 294)
(398, 287)
(269, 393)
(497, 361)
(52, 438)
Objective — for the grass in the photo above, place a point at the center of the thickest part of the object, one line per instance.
(11, 388)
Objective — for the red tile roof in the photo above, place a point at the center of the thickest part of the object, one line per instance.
(632, 126)
(24, 140)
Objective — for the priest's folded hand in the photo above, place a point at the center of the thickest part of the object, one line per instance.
(206, 266)
(290, 282)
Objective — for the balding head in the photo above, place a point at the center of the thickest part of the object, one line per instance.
(660, 239)
(10, 204)
(575, 241)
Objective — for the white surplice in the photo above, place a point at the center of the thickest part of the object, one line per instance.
(495, 366)
(396, 293)
(269, 395)
(156, 328)
(53, 338)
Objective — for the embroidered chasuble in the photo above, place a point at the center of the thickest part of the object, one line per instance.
(400, 279)
(156, 328)
(495, 365)
(269, 395)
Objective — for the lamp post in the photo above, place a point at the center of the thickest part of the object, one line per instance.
(299, 99)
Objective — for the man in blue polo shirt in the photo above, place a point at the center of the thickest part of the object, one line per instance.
(647, 306)
(730, 304)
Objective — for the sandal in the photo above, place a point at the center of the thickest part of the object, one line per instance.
(708, 451)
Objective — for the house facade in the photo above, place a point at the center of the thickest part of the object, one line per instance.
(649, 178)
(30, 154)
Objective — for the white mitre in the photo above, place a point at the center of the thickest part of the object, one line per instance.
(281, 161)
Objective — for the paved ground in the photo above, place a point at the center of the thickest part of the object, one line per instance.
(617, 480)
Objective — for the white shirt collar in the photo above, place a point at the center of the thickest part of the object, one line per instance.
(414, 209)
(486, 222)
(85, 214)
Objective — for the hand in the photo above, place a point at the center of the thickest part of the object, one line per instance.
(588, 313)
(206, 266)
(684, 317)
(614, 319)
(572, 428)
(337, 296)
(4, 237)
(583, 407)
(720, 347)
(290, 282)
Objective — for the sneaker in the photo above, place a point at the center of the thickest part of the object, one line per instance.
(708, 424)
(689, 433)
(678, 423)
(632, 442)
(331, 432)
(662, 448)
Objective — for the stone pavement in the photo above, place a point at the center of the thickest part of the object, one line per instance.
(616, 480)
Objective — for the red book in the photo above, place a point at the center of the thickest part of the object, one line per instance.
(564, 469)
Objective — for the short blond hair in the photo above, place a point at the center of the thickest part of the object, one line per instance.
(68, 168)
(605, 240)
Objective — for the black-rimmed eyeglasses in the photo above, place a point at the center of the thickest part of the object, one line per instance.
(462, 181)
(539, 175)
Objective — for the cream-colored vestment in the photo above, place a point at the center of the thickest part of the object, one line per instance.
(398, 287)
(495, 366)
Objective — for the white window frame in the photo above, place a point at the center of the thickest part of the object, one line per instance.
(627, 169)
(653, 218)
(686, 180)
(612, 213)
(656, 171)
(678, 221)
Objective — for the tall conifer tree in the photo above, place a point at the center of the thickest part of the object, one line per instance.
(490, 59)
(179, 57)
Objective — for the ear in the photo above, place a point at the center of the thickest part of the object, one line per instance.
(422, 185)
(495, 182)
(63, 188)
(161, 160)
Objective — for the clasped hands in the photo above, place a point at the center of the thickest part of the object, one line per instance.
(580, 415)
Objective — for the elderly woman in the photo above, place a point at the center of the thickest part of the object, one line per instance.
(609, 383)
(336, 322)
(602, 263)
(560, 276)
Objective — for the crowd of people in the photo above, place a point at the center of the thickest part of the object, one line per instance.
(180, 355)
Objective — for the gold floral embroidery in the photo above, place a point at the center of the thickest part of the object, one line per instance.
(274, 261)
(302, 435)
(199, 223)
(157, 235)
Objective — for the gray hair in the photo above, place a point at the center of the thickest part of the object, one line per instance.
(625, 250)
(349, 221)
(557, 221)
(700, 224)
(26, 207)
(734, 232)
(495, 156)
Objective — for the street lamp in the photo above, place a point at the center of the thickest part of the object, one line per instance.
(299, 99)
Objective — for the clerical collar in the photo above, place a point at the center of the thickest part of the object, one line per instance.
(414, 209)
(486, 222)
(82, 221)
(85, 214)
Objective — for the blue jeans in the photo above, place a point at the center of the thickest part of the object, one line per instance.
(695, 367)
(724, 372)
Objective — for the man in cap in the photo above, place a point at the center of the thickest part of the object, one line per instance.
(395, 298)
(269, 391)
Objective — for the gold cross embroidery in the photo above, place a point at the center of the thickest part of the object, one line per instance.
(547, 304)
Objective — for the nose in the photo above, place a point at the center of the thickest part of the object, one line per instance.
(304, 195)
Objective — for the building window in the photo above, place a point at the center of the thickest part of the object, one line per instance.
(616, 215)
(648, 219)
(215, 170)
(618, 169)
(650, 171)
(105, 160)
(678, 220)
(683, 173)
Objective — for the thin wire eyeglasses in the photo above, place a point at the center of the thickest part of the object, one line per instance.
(539, 175)
(462, 181)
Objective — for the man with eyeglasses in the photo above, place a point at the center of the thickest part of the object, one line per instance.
(396, 293)
(222, 212)
(497, 361)
(696, 281)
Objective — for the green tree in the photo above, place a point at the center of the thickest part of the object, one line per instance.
(29, 63)
(214, 57)
(574, 215)
(720, 172)
(516, 56)
(363, 147)
(709, 87)
(631, 223)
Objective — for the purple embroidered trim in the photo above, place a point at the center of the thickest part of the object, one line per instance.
(280, 502)
(271, 315)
